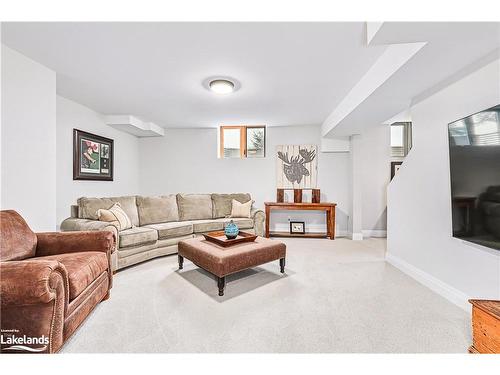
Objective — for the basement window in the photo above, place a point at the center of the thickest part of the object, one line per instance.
(481, 129)
(401, 139)
(242, 142)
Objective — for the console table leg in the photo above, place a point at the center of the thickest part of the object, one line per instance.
(221, 283)
(330, 223)
(333, 223)
(180, 258)
(268, 219)
(282, 265)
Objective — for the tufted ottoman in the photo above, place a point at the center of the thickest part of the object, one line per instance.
(223, 261)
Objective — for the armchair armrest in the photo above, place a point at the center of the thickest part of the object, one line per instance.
(71, 242)
(32, 281)
(259, 219)
(34, 299)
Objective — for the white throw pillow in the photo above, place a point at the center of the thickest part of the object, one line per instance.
(241, 209)
(115, 213)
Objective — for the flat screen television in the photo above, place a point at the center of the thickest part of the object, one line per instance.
(474, 143)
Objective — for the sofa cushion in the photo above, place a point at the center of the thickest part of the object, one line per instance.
(492, 225)
(194, 206)
(149, 251)
(222, 203)
(87, 207)
(242, 223)
(137, 236)
(115, 215)
(241, 209)
(493, 197)
(154, 210)
(83, 268)
(490, 208)
(173, 229)
(493, 189)
(200, 226)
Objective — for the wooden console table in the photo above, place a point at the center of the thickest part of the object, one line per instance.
(329, 209)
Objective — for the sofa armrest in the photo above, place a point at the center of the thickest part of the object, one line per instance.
(53, 243)
(74, 224)
(259, 219)
(32, 281)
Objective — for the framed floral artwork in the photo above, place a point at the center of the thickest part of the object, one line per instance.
(92, 157)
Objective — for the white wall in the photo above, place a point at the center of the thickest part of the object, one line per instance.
(419, 204)
(72, 115)
(356, 187)
(376, 174)
(28, 140)
(185, 160)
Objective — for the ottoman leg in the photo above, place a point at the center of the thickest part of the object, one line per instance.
(221, 283)
(181, 261)
(282, 265)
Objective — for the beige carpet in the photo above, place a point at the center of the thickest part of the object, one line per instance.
(336, 296)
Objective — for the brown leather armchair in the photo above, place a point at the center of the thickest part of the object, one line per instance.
(49, 283)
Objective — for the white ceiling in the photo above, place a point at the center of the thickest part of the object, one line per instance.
(290, 73)
(451, 50)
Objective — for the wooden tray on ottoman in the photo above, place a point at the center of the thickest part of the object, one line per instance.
(220, 238)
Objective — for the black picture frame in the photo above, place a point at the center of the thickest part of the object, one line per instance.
(93, 156)
(303, 231)
(394, 164)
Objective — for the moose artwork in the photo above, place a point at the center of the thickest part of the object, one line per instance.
(296, 166)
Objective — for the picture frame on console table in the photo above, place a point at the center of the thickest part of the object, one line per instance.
(92, 156)
(297, 227)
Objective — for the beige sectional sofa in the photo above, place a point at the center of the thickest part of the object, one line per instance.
(159, 223)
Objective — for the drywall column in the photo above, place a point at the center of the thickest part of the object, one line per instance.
(28, 169)
(356, 219)
(419, 216)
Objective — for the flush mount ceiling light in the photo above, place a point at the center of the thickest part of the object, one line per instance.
(221, 84)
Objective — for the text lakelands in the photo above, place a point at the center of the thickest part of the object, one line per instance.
(23, 340)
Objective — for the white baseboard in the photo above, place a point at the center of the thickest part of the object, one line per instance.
(356, 236)
(451, 294)
(374, 233)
